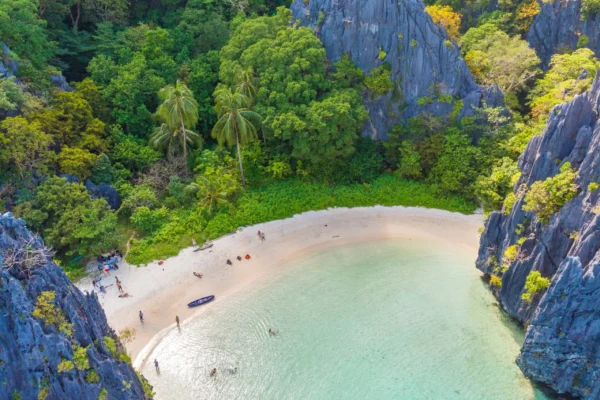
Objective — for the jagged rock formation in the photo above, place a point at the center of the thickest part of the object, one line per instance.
(427, 69)
(31, 349)
(562, 345)
(558, 26)
(101, 190)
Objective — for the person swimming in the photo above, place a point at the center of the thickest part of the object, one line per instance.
(232, 371)
(273, 332)
(213, 372)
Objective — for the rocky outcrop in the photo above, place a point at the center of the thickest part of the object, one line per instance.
(101, 190)
(562, 345)
(427, 70)
(32, 348)
(558, 26)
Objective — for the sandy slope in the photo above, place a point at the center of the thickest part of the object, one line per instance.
(163, 291)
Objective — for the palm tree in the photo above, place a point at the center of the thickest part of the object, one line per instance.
(214, 192)
(165, 137)
(246, 85)
(179, 111)
(235, 123)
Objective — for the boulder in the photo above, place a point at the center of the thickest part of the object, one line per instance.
(104, 191)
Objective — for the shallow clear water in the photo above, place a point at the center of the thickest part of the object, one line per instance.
(383, 320)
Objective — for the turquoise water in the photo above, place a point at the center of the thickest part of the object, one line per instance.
(384, 320)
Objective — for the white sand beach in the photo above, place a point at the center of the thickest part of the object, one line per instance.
(162, 292)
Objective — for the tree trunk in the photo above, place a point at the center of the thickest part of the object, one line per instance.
(184, 142)
(237, 140)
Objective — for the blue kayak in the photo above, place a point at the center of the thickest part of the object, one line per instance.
(201, 301)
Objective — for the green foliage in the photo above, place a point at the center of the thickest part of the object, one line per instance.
(410, 161)
(43, 394)
(583, 40)
(69, 219)
(414, 43)
(110, 345)
(561, 83)
(283, 199)
(92, 377)
(76, 161)
(545, 198)
(496, 281)
(493, 189)
(148, 220)
(509, 202)
(510, 254)
(455, 170)
(11, 95)
(347, 74)
(102, 170)
(147, 388)
(103, 395)
(80, 358)
(534, 284)
(379, 81)
(46, 310)
(593, 186)
(382, 54)
(65, 366)
(589, 8)
(139, 196)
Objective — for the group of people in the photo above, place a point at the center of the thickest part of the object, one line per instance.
(110, 262)
(261, 236)
(247, 257)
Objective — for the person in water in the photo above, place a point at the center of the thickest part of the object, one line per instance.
(156, 365)
(273, 332)
(141, 316)
(213, 372)
(232, 371)
(177, 320)
(229, 262)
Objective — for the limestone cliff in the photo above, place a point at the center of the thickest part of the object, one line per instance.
(67, 351)
(562, 345)
(427, 70)
(558, 26)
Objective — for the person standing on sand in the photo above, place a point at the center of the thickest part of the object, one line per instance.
(194, 242)
(259, 235)
(177, 320)
(262, 237)
(141, 317)
(119, 287)
(156, 365)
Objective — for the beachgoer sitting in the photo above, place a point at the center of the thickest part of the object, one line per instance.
(247, 256)
(102, 289)
(198, 275)
(160, 262)
(213, 372)
(124, 295)
(229, 262)
(239, 258)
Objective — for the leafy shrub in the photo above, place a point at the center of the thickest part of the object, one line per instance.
(589, 8)
(110, 345)
(496, 281)
(80, 357)
(43, 394)
(534, 284)
(509, 202)
(583, 41)
(593, 186)
(547, 197)
(510, 254)
(103, 395)
(65, 366)
(92, 377)
(379, 81)
(147, 388)
(50, 314)
(148, 220)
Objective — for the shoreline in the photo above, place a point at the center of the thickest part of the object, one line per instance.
(162, 291)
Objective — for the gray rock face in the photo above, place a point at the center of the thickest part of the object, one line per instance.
(104, 191)
(427, 69)
(558, 25)
(562, 345)
(31, 350)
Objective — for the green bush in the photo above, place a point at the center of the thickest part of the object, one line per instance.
(496, 281)
(65, 366)
(593, 186)
(379, 81)
(110, 345)
(46, 310)
(534, 284)
(80, 357)
(583, 41)
(103, 395)
(92, 377)
(510, 254)
(545, 198)
(589, 8)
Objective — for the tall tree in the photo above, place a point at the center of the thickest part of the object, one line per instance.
(179, 111)
(236, 124)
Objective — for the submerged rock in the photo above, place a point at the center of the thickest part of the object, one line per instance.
(37, 357)
(562, 345)
(428, 73)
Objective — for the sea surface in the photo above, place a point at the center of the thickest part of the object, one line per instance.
(392, 319)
